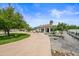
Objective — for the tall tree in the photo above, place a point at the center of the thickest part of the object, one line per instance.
(10, 19)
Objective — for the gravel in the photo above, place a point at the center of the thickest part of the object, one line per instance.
(68, 43)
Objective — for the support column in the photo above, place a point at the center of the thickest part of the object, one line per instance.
(49, 30)
(44, 30)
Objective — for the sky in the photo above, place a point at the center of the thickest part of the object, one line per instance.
(36, 14)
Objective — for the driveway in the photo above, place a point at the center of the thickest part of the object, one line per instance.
(37, 44)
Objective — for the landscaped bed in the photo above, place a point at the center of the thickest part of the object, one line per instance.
(12, 38)
(62, 52)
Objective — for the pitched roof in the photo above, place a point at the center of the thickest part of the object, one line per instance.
(46, 26)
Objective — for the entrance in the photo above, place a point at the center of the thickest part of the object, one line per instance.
(47, 30)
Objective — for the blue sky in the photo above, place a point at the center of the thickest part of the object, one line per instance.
(41, 13)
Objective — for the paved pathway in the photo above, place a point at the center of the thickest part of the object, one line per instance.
(37, 44)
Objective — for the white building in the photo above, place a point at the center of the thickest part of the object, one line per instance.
(47, 28)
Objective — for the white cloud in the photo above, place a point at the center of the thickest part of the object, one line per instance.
(55, 13)
(60, 13)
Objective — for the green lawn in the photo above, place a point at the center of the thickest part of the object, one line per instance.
(12, 38)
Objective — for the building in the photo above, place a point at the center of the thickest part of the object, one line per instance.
(47, 28)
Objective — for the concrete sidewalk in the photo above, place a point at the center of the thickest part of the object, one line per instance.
(37, 44)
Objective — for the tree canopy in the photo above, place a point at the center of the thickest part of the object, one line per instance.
(10, 19)
(64, 26)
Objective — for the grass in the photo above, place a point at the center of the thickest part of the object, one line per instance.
(12, 38)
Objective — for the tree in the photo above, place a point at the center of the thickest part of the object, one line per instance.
(2, 20)
(62, 26)
(10, 19)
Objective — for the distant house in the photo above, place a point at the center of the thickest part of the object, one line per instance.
(47, 28)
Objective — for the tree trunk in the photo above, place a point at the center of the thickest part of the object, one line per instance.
(8, 32)
(5, 32)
